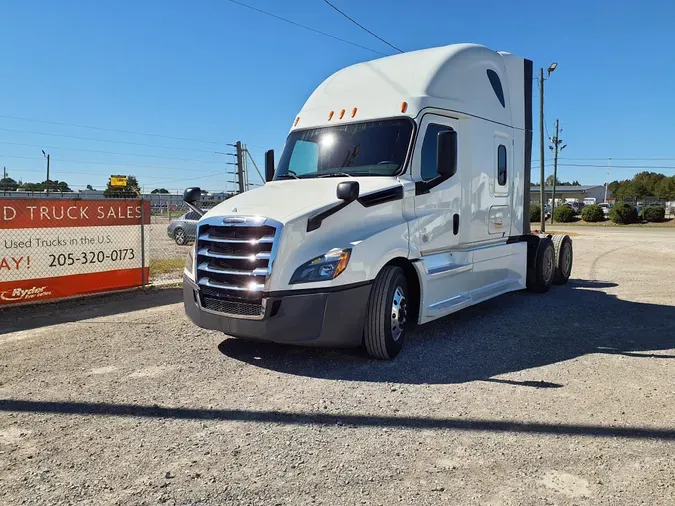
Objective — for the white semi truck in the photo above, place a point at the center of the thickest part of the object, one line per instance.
(401, 196)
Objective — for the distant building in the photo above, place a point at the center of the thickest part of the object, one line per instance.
(577, 193)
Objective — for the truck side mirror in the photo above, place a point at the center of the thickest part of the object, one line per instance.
(348, 191)
(192, 195)
(446, 153)
(269, 165)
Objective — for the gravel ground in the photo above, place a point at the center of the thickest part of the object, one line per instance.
(566, 398)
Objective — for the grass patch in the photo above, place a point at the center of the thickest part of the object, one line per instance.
(164, 265)
(609, 223)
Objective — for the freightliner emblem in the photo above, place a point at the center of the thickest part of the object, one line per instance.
(234, 220)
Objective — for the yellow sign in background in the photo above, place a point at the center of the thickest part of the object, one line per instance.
(118, 181)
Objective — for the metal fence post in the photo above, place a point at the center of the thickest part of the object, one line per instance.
(143, 280)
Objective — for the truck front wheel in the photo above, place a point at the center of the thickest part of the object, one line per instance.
(386, 314)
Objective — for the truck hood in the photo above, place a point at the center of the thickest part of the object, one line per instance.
(289, 199)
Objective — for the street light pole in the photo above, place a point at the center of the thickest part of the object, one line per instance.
(542, 183)
(46, 155)
(542, 225)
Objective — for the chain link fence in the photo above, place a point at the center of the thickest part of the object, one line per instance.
(173, 231)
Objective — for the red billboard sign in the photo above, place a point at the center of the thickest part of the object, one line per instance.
(59, 248)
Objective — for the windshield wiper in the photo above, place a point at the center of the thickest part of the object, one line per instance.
(335, 174)
(287, 176)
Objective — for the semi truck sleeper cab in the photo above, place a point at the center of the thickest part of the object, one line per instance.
(401, 196)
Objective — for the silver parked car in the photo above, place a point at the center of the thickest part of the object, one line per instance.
(184, 228)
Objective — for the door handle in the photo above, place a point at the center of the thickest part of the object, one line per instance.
(455, 224)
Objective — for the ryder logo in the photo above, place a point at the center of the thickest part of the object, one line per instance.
(20, 294)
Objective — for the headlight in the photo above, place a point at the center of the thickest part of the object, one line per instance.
(190, 262)
(323, 268)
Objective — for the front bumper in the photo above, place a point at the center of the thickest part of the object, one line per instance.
(333, 319)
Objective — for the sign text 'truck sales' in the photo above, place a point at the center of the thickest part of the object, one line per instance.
(59, 248)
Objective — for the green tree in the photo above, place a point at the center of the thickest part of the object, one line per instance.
(649, 180)
(160, 190)
(613, 187)
(558, 182)
(129, 191)
(665, 189)
(90, 187)
(52, 186)
(8, 184)
(549, 181)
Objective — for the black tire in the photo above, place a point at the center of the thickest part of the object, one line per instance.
(540, 278)
(564, 257)
(385, 324)
(179, 236)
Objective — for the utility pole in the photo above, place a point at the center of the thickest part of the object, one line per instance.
(609, 164)
(542, 177)
(4, 173)
(46, 155)
(240, 166)
(556, 142)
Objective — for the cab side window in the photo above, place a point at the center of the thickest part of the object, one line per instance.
(429, 150)
(501, 165)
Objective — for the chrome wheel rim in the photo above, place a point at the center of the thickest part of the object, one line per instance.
(180, 236)
(567, 260)
(547, 270)
(398, 313)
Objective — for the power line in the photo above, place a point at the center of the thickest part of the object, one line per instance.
(183, 169)
(59, 172)
(613, 158)
(305, 27)
(180, 169)
(256, 166)
(108, 129)
(644, 167)
(363, 27)
(104, 140)
(192, 178)
(108, 152)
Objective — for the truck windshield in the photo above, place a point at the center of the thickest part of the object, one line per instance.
(376, 148)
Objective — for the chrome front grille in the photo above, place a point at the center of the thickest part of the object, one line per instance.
(234, 262)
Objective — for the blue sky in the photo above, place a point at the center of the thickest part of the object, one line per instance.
(200, 74)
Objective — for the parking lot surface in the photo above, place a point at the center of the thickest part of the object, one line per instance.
(566, 398)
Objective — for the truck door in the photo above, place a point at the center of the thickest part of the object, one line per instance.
(438, 210)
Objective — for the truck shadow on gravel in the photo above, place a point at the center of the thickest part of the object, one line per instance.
(30, 317)
(510, 333)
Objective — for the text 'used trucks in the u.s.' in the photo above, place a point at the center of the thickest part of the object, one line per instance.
(401, 196)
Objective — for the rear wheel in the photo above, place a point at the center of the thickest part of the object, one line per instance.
(563, 259)
(386, 314)
(540, 277)
(179, 236)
